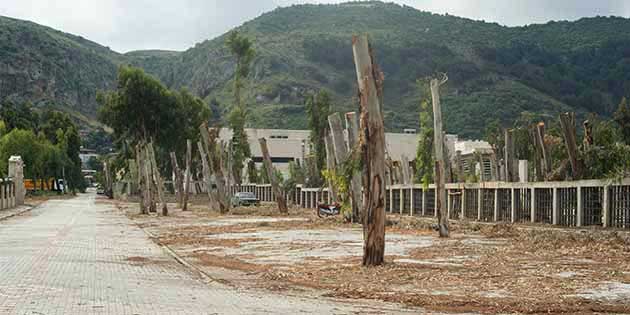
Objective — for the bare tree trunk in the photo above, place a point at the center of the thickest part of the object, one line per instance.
(509, 156)
(588, 135)
(187, 175)
(141, 180)
(177, 179)
(158, 180)
(567, 122)
(352, 125)
(546, 158)
(339, 145)
(440, 167)
(372, 142)
(282, 202)
(404, 166)
(533, 137)
(215, 164)
(448, 176)
(206, 175)
(461, 177)
(330, 164)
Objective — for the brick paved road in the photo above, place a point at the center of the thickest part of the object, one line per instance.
(81, 257)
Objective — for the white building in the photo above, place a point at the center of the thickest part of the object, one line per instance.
(292, 145)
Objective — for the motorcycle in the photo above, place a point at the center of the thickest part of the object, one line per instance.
(326, 210)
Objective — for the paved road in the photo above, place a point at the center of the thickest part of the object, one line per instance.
(80, 256)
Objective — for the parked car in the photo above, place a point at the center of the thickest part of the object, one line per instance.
(100, 190)
(245, 199)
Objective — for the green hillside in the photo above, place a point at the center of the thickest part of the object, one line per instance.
(46, 66)
(495, 72)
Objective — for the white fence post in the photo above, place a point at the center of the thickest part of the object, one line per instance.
(579, 220)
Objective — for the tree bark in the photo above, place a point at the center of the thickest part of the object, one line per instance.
(207, 177)
(339, 145)
(440, 167)
(330, 164)
(372, 142)
(404, 166)
(215, 164)
(588, 135)
(352, 125)
(567, 122)
(546, 158)
(509, 156)
(177, 179)
(141, 180)
(158, 180)
(187, 175)
(282, 202)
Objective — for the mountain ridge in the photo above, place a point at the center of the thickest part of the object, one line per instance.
(496, 71)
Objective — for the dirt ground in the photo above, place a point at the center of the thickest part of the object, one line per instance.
(482, 268)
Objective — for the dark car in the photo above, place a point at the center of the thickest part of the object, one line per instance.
(245, 199)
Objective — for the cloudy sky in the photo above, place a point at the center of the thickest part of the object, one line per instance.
(126, 25)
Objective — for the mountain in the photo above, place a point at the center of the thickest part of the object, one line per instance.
(495, 72)
(48, 67)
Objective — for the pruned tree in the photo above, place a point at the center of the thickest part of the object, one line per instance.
(187, 175)
(242, 48)
(440, 161)
(424, 154)
(178, 182)
(372, 143)
(279, 194)
(352, 125)
(318, 109)
(569, 133)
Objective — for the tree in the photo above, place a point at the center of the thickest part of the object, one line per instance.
(141, 109)
(242, 49)
(252, 172)
(239, 144)
(19, 116)
(424, 153)
(318, 109)
(622, 118)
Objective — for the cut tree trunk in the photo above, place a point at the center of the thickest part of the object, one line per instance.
(461, 177)
(207, 177)
(439, 158)
(178, 184)
(141, 180)
(215, 164)
(352, 125)
(339, 143)
(372, 143)
(510, 175)
(588, 135)
(157, 178)
(280, 199)
(546, 158)
(404, 166)
(330, 164)
(187, 175)
(567, 122)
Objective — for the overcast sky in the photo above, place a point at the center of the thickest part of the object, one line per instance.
(126, 25)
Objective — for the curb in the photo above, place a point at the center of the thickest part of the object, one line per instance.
(28, 208)
(178, 258)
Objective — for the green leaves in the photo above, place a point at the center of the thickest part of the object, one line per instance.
(141, 109)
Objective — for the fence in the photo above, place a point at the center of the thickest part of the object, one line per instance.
(7, 194)
(571, 204)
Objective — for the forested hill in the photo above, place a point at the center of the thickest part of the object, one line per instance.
(495, 72)
(46, 66)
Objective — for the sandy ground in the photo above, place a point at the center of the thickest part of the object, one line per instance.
(482, 268)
